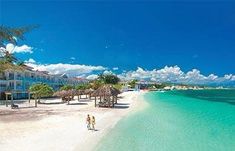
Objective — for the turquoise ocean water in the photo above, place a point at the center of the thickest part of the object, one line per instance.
(202, 120)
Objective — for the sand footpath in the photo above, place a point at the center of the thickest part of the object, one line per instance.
(61, 127)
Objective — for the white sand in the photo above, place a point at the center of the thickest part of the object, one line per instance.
(61, 127)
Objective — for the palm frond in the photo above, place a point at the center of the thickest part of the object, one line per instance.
(10, 35)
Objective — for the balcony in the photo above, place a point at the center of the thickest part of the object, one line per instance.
(19, 88)
(2, 89)
(19, 78)
(3, 81)
(3, 78)
(11, 78)
(9, 88)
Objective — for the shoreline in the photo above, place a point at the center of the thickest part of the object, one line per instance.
(92, 140)
(62, 127)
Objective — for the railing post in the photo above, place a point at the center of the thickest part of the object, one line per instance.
(12, 100)
(6, 100)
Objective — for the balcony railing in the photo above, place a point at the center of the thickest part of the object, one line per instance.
(11, 78)
(31, 80)
(3, 81)
(19, 88)
(3, 78)
(19, 78)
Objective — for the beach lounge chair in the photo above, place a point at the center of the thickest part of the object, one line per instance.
(14, 106)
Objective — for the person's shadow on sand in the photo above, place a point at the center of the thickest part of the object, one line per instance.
(95, 130)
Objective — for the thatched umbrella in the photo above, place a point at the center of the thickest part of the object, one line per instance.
(61, 94)
(71, 94)
(88, 92)
(106, 92)
(79, 93)
(66, 95)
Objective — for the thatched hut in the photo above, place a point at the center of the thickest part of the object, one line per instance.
(88, 92)
(61, 94)
(107, 95)
(79, 93)
(72, 93)
(66, 95)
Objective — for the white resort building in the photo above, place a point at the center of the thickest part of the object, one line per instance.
(20, 81)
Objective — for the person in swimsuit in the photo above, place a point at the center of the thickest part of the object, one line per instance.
(93, 122)
(88, 122)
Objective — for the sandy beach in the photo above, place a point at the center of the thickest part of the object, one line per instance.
(62, 127)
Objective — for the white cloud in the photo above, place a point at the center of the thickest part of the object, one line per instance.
(70, 69)
(115, 68)
(228, 76)
(175, 75)
(30, 61)
(23, 49)
(194, 76)
(107, 72)
(172, 74)
(212, 77)
(10, 47)
(233, 78)
(19, 49)
(165, 74)
(92, 77)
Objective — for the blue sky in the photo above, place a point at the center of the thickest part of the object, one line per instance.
(128, 35)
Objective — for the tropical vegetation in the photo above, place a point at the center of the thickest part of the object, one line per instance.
(83, 86)
(108, 78)
(67, 87)
(40, 90)
(104, 79)
(11, 35)
(132, 83)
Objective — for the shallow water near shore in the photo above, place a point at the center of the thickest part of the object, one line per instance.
(202, 120)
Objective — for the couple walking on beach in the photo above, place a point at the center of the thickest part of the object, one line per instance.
(90, 122)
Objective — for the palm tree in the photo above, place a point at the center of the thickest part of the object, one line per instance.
(10, 35)
(9, 61)
(40, 90)
(108, 78)
(7, 57)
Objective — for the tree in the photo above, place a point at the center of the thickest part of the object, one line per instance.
(7, 57)
(40, 90)
(132, 83)
(10, 35)
(67, 87)
(118, 86)
(4, 66)
(8, 61)
(108, 79)
(83, 86)
(159, 86)
(96, 84)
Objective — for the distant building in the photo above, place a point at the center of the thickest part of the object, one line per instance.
(20, 81)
